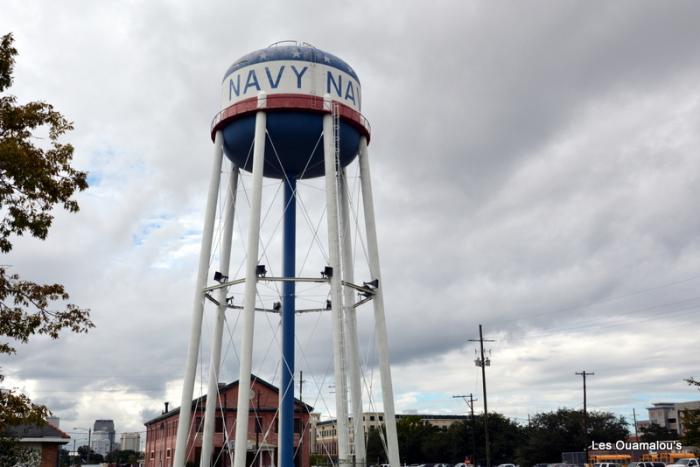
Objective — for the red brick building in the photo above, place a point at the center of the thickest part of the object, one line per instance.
(46, 440)
(262, 429)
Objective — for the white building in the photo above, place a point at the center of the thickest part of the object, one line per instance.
(130, 441)
(327, 435)
(670, 414)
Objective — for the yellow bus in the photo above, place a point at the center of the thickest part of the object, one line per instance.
(622, 459)
(672, 457)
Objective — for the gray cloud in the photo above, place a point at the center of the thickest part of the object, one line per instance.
(534, 167)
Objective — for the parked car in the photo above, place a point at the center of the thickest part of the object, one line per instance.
(642, 464)
(686, 463)
(607, 464)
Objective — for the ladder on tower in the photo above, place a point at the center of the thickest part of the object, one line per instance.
(336, 131)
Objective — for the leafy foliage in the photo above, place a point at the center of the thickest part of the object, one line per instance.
(420, 442)
(691, 421)
(656, 432)
(376, 453)
(124, 456)
(89, 456)
(552, 433)
(34, 178)
(14, 455)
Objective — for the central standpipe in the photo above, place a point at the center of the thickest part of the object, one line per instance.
(286, 403)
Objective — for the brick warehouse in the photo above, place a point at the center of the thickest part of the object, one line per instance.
(262, 429)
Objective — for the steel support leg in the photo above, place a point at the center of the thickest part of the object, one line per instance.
(183, 426)
(341, 401)
(351, 339)
(379, 318)
(246, 351)
(213, 389)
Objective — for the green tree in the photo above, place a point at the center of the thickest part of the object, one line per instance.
(436, 446)
(412, 432)
(89, 456)
(420, 442)
(125, 456)
(34, 178)
(13, 454)
(656, 432)
(691, 421)
(376, 453)
(505, 436)
(552, 433)
(64, 458)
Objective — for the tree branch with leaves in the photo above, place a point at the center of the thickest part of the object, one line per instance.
(34, 179)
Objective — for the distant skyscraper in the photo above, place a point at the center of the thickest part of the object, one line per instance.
(103, 437)
(131, 442)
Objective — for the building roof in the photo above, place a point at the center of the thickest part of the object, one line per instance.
(201, 401)
(35, 433)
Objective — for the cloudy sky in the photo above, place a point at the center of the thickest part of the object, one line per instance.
(535, 167)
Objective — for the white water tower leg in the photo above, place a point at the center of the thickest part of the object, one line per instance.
(341, 400)
(246, 351)
(351, 339)
(379, 317)
(224, 261)
(183, 426)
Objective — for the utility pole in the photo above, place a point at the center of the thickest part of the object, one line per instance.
(634, 417)
(470, 403)
(585, 412)
(483, 363)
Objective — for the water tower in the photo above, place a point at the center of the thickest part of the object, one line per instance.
(281, 102)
